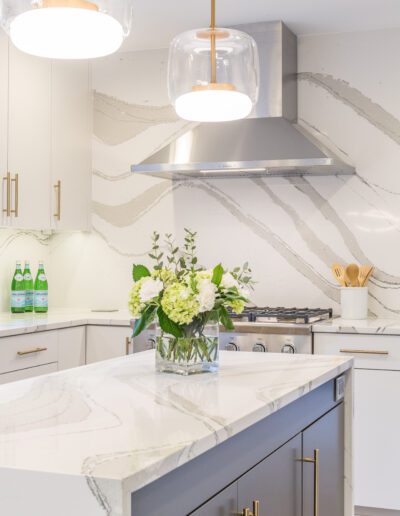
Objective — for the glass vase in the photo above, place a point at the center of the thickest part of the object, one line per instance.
(192, 354)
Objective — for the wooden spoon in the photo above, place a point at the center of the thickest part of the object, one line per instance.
(352, 271)
(364, 274)
(339, 274)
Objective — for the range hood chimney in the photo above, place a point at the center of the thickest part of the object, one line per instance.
(268, 143)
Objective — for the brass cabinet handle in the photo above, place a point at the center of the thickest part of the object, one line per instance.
(31, 351)
(15, 211)
(364, 351)
(315, 461)
(127, 344)
(7, 209)
(256, 508)
(57, 188)
(246, 512)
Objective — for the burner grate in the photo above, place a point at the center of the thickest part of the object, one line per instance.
(284, 315)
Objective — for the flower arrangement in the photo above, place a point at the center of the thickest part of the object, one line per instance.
(185, 297)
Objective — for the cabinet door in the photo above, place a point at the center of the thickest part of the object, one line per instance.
(71, 144)
(105, 342)
(326, 435)
(376, 442)
(71, 347)
(275, 483)
(3, 123)
(224, 504)
(29, 138)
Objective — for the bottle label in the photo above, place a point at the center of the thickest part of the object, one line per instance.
(41, 298)
(28, 276)
(42, 276)
(18, 299)
(29, 298)
(18, 277)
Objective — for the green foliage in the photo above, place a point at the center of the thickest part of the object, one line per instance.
(144, 322)
(168, 326)
(139, 272)
(218, 272)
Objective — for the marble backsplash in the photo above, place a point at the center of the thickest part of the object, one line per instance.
(290, 229)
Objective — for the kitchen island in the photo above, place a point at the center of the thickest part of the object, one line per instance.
(116, 438)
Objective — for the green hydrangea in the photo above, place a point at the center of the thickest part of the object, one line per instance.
(165, 275)
(180, 303)
(237, 305)
(134, 303)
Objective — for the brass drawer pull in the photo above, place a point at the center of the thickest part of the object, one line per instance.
(57, 188)
(364, 351)
(315, 461)
(127, 344)
(31, 351)
(15, 211)
(7, 209)
(256, 509)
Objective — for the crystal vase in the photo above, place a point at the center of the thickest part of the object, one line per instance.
(192, 354)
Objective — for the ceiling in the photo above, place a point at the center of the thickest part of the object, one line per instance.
(157, 21)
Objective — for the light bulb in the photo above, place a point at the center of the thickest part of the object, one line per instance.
(213, 105)
(66, 33)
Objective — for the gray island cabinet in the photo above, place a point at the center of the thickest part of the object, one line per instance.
(269, 435)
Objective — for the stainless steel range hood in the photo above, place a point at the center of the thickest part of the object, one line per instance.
(268, 143)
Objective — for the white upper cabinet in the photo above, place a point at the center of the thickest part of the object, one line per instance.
(3, 124)
(71, 149)
(29, 139)
(45, 141)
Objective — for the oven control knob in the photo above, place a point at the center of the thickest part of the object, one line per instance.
(232, 346)
(260, 347)
(288, 348)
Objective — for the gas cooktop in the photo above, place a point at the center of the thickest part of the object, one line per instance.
(283, 315)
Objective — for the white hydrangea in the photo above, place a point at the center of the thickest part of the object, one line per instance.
(228, 281)
(206, 295)
(150, 289)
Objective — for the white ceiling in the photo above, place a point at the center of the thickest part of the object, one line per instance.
(157, 21)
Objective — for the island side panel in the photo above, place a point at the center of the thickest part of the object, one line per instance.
(348, 443)
(189, 486)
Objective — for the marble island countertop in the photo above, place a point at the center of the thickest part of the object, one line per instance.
(106, 430)
(371, 325)
(18, 324)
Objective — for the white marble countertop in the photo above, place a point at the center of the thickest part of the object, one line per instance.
(105, 430)
(367, 326)
(17, 324)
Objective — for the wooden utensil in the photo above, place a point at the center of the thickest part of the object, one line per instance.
(364, 274)
(339, 274)
(352, 271)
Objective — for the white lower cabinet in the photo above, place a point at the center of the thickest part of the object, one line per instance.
(71, 347)
(32, 372)
(376, 413)
(105, 342)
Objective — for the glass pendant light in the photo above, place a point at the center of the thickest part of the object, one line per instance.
(67, 29)
(213, 74)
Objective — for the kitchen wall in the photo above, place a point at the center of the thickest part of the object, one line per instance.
(291, 230)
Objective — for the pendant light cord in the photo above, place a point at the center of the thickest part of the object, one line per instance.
(213, 45)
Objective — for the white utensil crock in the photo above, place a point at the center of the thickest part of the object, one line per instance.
(354, 302)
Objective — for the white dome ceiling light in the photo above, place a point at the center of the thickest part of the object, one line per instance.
(67, 29)
(213, 74)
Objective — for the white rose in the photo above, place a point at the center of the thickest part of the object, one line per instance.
(150, 289)
(206, 295)
(228, 281)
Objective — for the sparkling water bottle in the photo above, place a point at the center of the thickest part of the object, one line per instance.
(28, 282)
(41, 300)
(18, 291)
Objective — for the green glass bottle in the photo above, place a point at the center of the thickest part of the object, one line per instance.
(18, 291)
(41, 299)
(28, 282)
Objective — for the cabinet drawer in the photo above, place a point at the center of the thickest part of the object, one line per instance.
(23, 374)
(369, 351)
(25, 351)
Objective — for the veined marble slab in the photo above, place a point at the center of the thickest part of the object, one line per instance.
(80, 441)
(18, 324)
(367, 326)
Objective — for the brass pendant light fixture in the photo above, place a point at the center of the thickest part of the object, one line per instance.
(67, 29)
(213, 73)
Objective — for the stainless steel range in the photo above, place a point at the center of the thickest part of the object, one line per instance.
(273, 330)
(263, 330)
